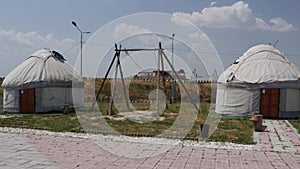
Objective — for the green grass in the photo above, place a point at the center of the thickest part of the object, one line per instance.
(296, 124)
(148, 129)
(235, 130)
(51, 122)
(229, 130)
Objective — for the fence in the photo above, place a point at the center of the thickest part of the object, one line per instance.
(154, 80)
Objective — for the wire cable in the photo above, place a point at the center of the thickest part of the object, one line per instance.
(127, 53)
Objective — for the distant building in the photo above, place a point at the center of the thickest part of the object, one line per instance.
(152, 75)
(181, 74)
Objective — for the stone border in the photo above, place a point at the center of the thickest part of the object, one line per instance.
(145, 140)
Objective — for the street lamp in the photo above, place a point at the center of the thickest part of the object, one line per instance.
(81, 32)
(172, 73)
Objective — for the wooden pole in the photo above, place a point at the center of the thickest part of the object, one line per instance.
(123, 82)
(107, 72)
(163, 72)
(158, 78)
(163, 77)
(180, 81)
(113, 91)
(117, 55)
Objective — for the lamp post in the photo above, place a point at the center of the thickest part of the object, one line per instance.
(81, 32)
(172, 73)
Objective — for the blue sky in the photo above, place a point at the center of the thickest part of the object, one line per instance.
(232, 26)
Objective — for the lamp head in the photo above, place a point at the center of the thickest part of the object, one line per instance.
(74, 23)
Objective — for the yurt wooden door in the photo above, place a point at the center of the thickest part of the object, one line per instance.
(269, 102)
(27, 104)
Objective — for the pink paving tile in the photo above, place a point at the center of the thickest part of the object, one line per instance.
(84, 153)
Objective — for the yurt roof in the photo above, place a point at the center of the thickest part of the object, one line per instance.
(261, 64)
(43, 66)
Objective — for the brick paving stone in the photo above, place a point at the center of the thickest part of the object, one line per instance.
(194, 160)
(114, 167)
(297, 156)
(17, 153)
(252, 165)
(46, 151)
(191, 166)
(282, 167)
(236, 165)
(222, 164)
(289, 160)
(207, 164)
(165, 162)
(133, 164)
(163, 165)
(221, 157)
(209, 153)
(265, 165)
(149, 164)
(234, 152)
(277, 163)
(278, 137)
(176, 164)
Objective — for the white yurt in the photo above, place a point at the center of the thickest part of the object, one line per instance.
(42, 83)
(261, 80)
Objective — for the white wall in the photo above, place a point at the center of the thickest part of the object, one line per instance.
(11, 100)
(293, 100)
(78, 97)
(55, 98)
(233, 101)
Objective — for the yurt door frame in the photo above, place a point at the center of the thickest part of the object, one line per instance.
(269, 102)
(27, 100)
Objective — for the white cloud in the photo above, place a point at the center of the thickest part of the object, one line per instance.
(33, 40)
(213, 3)
(198, 36)
(145, 36)
(281, 25)
(150, 39)
(238, 16)
(123, 29)
(17, 46)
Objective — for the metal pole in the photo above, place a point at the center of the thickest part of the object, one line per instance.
(172, 74)
(80, 53)
(81, 32)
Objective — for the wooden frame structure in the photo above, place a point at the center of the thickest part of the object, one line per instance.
(160, 62)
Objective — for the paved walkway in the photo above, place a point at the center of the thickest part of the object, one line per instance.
(279, 136)
(18, 153)
(50, 151)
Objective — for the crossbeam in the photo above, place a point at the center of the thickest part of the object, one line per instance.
(142, 49)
